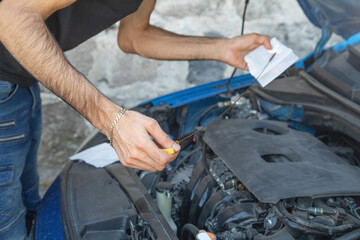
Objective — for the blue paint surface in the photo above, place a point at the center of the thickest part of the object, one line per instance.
(207, 90)
(48, 220)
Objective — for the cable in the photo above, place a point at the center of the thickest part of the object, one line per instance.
(229, 81)
(242, 33)
(205, 113)
(243, 17)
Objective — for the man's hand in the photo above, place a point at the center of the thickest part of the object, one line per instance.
(235, 49)
(134, 147)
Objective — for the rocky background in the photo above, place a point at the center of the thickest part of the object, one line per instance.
(130, 79)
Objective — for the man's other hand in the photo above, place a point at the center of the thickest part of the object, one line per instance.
(134, 146)
(235, 49)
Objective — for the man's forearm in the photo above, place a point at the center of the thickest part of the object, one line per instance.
(136, 35)
(25, 35)
(158, 43)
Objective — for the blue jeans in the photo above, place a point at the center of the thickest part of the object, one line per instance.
(20, 132)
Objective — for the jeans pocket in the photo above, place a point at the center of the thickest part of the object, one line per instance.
(6, 180)
(7, 124)
(12, 138)
(7, 90)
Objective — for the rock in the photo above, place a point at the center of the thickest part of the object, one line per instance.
(181, 9)
(205, 71)
(82, 56)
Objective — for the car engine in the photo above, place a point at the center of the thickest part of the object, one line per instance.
(248, 177)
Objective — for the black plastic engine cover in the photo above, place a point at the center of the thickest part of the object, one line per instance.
(104, 203)
(275, 162)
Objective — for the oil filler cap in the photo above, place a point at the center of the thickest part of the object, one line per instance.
(163, 187)
(203, 235)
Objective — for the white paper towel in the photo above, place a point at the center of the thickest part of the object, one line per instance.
(98, 156)
(261, 69)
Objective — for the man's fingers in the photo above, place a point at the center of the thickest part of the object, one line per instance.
(158, 155)
(246, 67)
(265, 40)
(160, 136)
(134, 146)
(140, 160)
(259, 39)
(148, 152)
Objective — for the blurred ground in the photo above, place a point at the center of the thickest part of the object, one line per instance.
(130, 79)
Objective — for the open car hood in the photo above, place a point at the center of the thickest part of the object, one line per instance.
(339, 16)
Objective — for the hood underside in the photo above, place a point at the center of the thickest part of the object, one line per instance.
(341, 16)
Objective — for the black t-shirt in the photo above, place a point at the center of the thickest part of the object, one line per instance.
(70, 27)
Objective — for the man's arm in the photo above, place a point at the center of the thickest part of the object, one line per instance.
(136, 35)
(24, 33)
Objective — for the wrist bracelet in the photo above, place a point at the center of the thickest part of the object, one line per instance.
(118, 116)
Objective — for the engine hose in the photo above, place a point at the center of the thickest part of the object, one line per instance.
(357, 212)
(351, 235)
(206, 112)
(301, 228)
(353, 219)
(304, 225)
(317, 226)
(189, 228)
(324, 211)
(217, 207)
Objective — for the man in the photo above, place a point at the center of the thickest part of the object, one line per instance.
(28, 42)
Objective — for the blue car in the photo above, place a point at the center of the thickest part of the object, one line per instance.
(283, 162)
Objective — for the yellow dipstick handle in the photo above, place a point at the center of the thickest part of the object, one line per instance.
(168, 150)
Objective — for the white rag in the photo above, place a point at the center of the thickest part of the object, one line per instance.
(98, 156)
(259, 66)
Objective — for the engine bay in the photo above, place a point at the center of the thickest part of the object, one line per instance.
(245, 178)
(283, 162)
